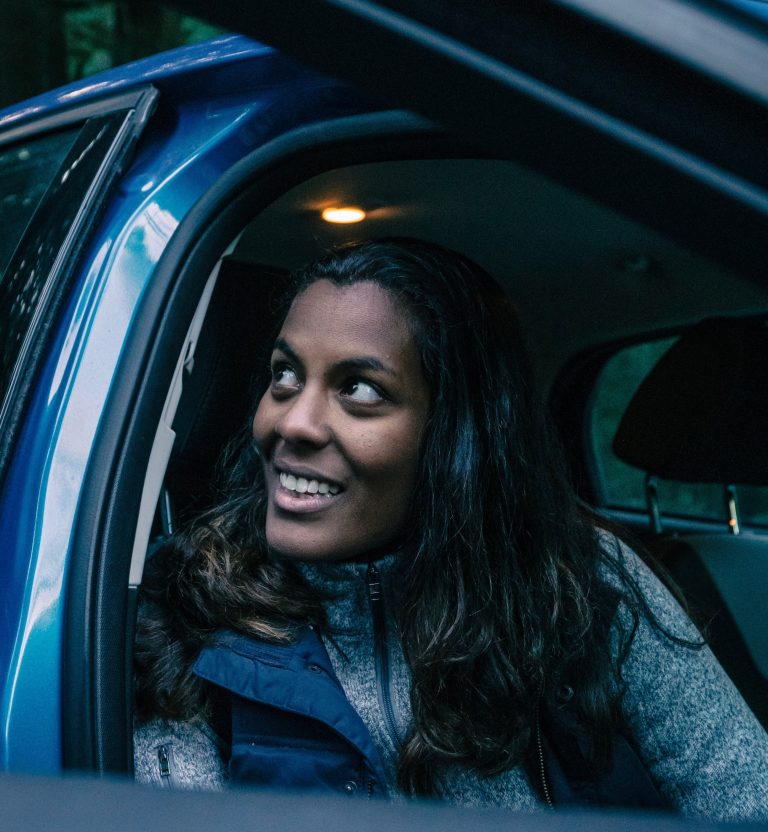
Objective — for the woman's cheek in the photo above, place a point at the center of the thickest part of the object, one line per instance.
(262, 419)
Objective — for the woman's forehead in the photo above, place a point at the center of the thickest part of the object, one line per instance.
(360, 316)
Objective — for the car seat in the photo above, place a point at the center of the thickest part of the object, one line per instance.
(699, 417)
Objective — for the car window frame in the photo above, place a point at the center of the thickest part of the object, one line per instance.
(63, 221)
(571, 399)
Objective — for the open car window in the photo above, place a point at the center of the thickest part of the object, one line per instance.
(557, 132)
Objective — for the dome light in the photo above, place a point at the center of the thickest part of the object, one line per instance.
(344, 215)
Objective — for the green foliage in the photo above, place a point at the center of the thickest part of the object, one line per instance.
(622, 484)
(100, 35)
(47, 43)
(89, 35)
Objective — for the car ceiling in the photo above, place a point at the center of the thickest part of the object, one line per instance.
(595, 93)
(581, 274)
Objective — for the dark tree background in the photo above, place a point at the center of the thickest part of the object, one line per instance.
(47, 43)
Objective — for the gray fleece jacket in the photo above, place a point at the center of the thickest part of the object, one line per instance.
(705, 751)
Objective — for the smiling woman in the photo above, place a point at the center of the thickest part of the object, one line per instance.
(340, 426)
(399, 594)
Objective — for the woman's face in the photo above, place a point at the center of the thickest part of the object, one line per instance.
(340, 425)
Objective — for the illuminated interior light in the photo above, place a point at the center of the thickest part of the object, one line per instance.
(343, 215)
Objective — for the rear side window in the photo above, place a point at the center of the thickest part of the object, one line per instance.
(26, 171)
(622, 486)
(55, 179)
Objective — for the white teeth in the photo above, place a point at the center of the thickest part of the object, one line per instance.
(301, 485)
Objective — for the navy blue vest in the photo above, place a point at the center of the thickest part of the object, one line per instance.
(292, 724)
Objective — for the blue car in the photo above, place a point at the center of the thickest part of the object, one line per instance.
(605, 161)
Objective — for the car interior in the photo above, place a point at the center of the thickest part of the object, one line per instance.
(649, 355)
(617, 193)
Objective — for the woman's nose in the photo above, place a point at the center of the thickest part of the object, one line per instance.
(305, 419)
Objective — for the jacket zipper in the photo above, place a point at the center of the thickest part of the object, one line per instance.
(542, 770)
(380, 653)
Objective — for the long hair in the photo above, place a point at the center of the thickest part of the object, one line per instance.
(507, 596)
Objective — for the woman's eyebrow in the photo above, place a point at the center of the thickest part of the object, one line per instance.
(282, 345)
(366, 362)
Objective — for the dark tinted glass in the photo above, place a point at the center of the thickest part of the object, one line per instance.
(38, 276)
(26, 171)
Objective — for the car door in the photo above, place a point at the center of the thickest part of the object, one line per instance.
(90, 308)
(57, 172)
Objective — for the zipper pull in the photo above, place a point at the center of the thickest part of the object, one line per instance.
(165, 766)
(374, 582)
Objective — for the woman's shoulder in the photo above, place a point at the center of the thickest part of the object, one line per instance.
(618, 555)
(627, 571)
(179, 755)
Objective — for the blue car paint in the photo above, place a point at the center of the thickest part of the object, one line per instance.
(757, 8)
(218, 102)
(206, 59)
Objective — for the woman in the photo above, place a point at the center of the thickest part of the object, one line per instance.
(401, 595)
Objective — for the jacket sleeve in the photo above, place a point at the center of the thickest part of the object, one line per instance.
(702, 745)
(179, 755)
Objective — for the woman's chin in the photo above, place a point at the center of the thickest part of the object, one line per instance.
(304, 538)
(303, 547)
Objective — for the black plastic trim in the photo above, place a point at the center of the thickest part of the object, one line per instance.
(37, 125)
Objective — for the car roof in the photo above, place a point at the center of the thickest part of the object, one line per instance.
(209, 60)
(590, 262)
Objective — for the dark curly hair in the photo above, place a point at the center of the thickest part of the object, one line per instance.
(509, 596)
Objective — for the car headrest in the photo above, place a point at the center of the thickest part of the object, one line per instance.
(216, 397)
(701, 414)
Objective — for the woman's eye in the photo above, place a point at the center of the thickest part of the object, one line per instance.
(284, 377)
(361, 391)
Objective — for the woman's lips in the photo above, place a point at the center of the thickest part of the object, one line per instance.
(302, 503)
(300, 495)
